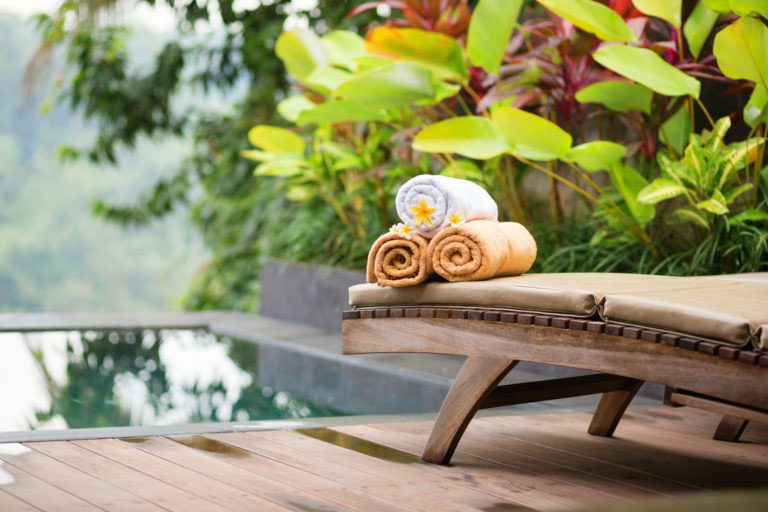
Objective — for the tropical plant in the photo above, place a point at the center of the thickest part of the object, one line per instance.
(710, 179)
(422, 85)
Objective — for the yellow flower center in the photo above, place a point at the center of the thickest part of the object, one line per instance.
(422, 213)
(455, 219)
(406, 230)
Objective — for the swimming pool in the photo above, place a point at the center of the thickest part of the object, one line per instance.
(139, 377)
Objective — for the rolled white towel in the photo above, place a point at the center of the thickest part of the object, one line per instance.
(430, 203)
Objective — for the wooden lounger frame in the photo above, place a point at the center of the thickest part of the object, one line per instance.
(727, 380)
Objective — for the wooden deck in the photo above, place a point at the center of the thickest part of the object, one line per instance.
(504, 463)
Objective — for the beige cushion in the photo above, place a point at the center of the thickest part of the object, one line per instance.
(730, 310)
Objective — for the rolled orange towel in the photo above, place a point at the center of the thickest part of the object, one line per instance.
(398, 261)
(482, 249)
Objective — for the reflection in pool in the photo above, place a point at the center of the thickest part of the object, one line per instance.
(55, 380)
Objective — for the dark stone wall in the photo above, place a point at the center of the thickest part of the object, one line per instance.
(307, 294)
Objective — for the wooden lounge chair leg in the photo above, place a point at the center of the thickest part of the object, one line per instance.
(473, 384)
(730, 428)
(611, 408)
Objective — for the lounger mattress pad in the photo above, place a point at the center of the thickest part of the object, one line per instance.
(728, 309)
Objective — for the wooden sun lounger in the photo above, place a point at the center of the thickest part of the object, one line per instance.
(727, 375)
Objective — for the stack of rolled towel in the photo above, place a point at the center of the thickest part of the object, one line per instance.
(449, 227)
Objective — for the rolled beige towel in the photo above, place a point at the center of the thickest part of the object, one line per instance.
(396, 261)
(482, 249)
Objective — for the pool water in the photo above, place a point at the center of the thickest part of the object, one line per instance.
(57, 380)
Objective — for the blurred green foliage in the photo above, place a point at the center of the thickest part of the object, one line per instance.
(54, 255)
(217, 49)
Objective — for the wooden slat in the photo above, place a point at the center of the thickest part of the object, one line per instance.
(410, 486)
(281, 469)
(541, 391)
(75, 482)
(550, 320)
(214, 460)
(224, 495)
(482, 440)
(646, 444)
(11, 503)
(41, 495)
(719, 407)
(641, 360)
(536, 484)
(145, 486)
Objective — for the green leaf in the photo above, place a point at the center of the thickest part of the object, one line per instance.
(257, 155)
(489, 31)
(692, 215)
(732, 194)
(676, 130)
(750, 215)
(617, 95)
(343, 48)
(464, 170)
(737, 156)
(470, 136)
(721, 6)
(435, 51)
(283, 166)
(667, 10)
(755, 111)
(644, 66)
(340, 111)
(750, 7)
(276, 140)
(599, 155)
(301, 51)
(660, 189)
(394, 85)
(292, 106)
(532, 136)
(629, 183)
(716, 204)
(698, 26)
(714, 139)
(592, 17)
(326, 79)
(740, 49)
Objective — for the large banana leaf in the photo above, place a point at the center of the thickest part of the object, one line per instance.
(301, 51)
(470, 136)
(532, 136)
(592, 17)
(395, 85)
(489, 31)
(741, 50)
(646, 67)
(438, 52)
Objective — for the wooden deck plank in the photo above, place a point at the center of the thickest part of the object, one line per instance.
(427, 479)
(540, 461)
(410, 486)
(497, 456)
(42, 495)
(223, 495)
(482, 440)
(75, 482)
(267, 467)
(530, 488)
(698, 461)
(8, 502)
(204, 461)
(155, 491)
(668, 427)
